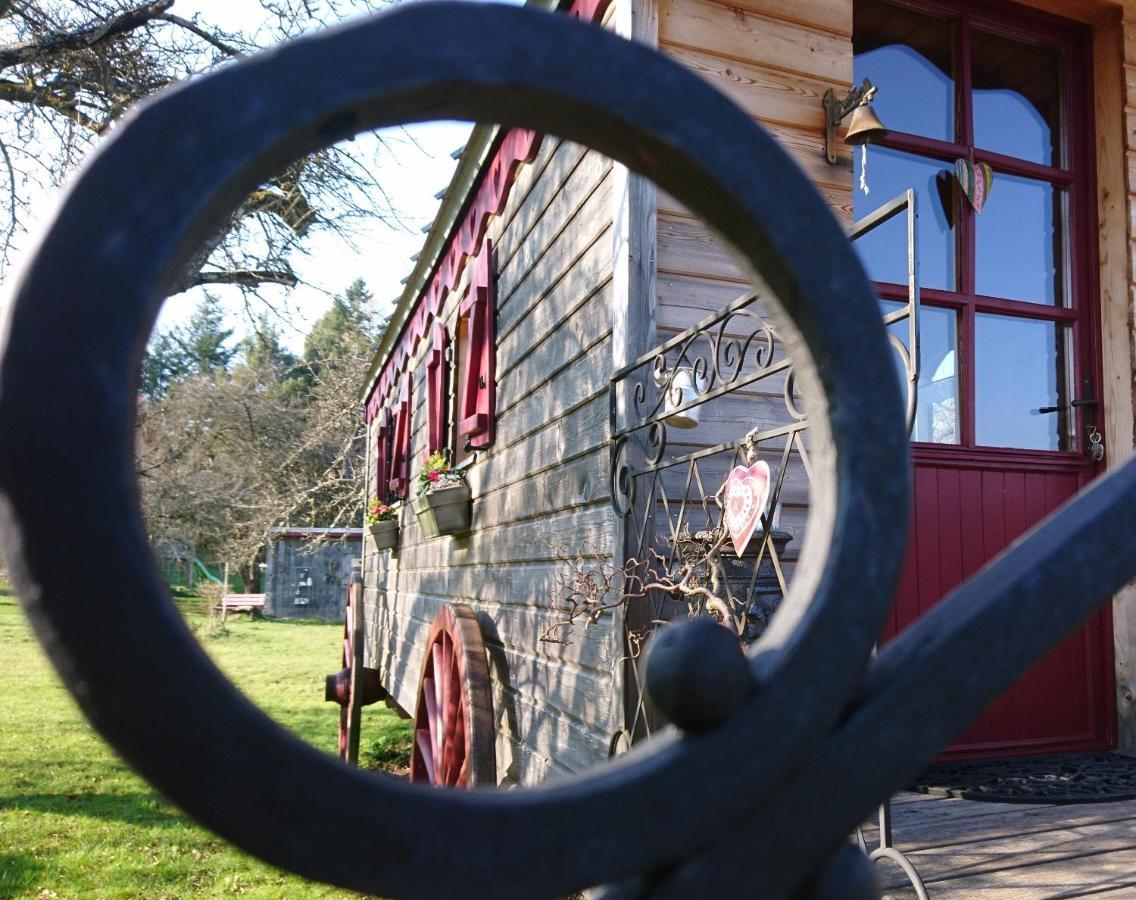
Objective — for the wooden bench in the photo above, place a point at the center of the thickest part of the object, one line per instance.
(240, 603)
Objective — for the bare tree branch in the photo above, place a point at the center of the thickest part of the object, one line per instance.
(82, 38)
(206, 36)
(245, 278)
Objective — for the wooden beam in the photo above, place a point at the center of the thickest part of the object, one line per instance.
(1114, 111)
(635, 253)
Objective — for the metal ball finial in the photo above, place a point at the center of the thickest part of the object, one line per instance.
(697, 673)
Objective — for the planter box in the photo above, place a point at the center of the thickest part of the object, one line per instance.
(385, 534)
(446, 511)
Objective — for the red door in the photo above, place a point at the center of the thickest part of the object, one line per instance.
(990, 122)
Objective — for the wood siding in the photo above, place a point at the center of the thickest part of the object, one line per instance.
(316, 573)
(775, 60)
(542, 487)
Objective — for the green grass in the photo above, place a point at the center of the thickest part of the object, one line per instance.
(77, 822)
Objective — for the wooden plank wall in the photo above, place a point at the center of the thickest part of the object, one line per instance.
(775, 60)
(327, 566)
(543, 486)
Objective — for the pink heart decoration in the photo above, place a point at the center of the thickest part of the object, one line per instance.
(747, 491)
(975, 180)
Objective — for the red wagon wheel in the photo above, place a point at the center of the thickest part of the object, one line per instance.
(353, 686)
(453, 724)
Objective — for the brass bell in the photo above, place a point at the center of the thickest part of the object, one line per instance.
(865, 126)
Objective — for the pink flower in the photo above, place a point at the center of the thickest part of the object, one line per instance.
(433, 474)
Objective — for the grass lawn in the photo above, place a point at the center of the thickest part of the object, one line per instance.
(76, 822)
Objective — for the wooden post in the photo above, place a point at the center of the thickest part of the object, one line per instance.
(634, 298)
(224, 591)
(1114, 114)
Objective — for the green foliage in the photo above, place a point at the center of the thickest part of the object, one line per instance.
(377, 511)
(347, 330)
(75, 821)
(204, 337)
(263, 349)
(196, 348)
(436, 474)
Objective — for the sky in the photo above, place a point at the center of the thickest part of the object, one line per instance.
(416, 166)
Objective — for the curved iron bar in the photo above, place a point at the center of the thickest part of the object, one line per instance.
(93, 296)
(622, 482)
(905, 865)
(716, 369)
(885, 849)
(790, 399)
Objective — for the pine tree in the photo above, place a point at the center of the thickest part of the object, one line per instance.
(204, 337)
(195, 348)
(347, 330)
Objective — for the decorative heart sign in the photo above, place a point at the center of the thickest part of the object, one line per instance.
(747, 491)
(975, 180)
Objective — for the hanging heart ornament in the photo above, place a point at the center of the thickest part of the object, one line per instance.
(976, 179)
(747, 491)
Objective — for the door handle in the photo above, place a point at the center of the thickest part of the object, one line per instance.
(1076, 404)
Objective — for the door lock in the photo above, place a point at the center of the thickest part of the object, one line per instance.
(1096, 443)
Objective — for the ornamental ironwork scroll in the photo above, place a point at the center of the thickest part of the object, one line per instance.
(718, 395)
(753, 804)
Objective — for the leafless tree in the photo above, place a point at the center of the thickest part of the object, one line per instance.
(224, 456)
(69, 69)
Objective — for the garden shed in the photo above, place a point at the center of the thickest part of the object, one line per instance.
(595, 366)
(307, 571)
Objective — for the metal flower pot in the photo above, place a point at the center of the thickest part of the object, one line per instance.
(444, 511)
(385, 534)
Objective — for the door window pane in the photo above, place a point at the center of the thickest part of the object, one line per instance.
(908, 56)
(1022, 376)
(937, 408)
(1020, 242)
(884, 251)
(1017, 98)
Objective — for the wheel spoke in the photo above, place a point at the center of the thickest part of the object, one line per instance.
(431, 723)
(425, 753)
(455, 748)
(454, 741)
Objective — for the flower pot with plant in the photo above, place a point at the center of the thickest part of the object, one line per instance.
(444, 504)
(383, 525)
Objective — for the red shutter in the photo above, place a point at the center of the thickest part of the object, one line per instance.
(400, 457)
(382, 455)
(478, 394)
(436, 389)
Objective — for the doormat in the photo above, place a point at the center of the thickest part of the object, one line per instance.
(1064, 778)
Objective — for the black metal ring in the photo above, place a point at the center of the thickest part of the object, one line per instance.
(69, 508)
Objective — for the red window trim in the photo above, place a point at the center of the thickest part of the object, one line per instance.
(382, 455)
(436, 386)
(479, 393)
(400, 457)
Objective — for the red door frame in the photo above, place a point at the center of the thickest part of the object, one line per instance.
(1083, 310)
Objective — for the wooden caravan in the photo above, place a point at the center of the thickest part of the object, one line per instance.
(594, 365)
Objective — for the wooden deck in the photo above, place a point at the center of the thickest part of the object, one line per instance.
(1003, 851)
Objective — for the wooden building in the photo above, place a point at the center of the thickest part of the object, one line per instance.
(552, 284)
(307, 571)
